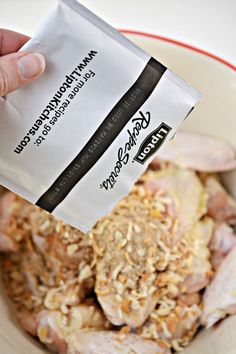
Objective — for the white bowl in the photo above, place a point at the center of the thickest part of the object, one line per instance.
(215, 115)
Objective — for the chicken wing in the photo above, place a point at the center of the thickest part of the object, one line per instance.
(187, 194)
(199, 152)
(132, 244)
(222, 242)
(197, 265)
(221, 206)
(220, 296)
(53, 267)
(112, 343)
(54, 327)
(143, 244)
(174, 322)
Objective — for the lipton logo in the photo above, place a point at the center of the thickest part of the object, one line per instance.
(152, 143)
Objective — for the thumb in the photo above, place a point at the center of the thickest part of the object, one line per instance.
(18, 69)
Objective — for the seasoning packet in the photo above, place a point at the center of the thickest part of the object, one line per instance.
(76, 140)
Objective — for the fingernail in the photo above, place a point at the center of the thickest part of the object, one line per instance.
(31, 65)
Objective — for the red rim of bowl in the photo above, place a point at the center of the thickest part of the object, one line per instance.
(181, 44)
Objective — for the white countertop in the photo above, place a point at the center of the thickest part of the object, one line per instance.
(206, 24)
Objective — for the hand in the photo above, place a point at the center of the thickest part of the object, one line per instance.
(17, 68)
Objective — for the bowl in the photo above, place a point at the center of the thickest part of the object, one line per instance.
(214, 115)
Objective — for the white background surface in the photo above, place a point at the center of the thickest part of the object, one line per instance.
(207, 24)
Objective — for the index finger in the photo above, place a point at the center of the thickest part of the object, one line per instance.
(11, 42)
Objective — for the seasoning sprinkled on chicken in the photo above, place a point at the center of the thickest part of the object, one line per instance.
(135, 283)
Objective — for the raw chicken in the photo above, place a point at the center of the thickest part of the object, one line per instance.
(222, 242)
(190, 269)
(220, 296)
(67, 248)
(9, 238)
(174, 322)
(152, 239)
(54, 260)
(50, 275)
(190, 199)
(198, 264)
(112, 343)
(51, 331)
(132, 245)
(199, 152)
(54, 327)
(221, 206)
(187, 195)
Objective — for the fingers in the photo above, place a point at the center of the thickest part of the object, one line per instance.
(18, 69)
(11, 42)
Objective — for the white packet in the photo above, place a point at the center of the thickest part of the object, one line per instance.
(76, 140)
